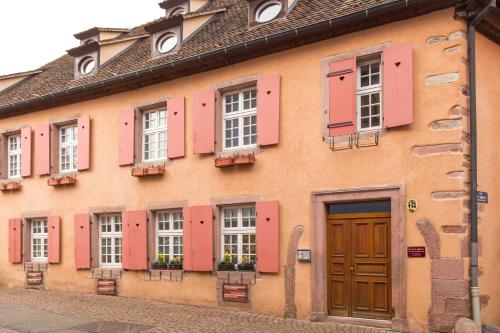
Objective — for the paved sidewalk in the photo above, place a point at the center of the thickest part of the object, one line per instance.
(33, 311)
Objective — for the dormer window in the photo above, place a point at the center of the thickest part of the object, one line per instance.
(166, 43)
(86, 65)
(177, 11)
(268, 11)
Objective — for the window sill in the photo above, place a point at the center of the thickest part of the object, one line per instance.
(36, 266)
(235, 160)
(148, 171)
(61, 180)
(172, 275)
(10, 186)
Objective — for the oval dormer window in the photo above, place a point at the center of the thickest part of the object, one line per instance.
(177, 11)
(87, 65)
(166, 43)
(268, 11)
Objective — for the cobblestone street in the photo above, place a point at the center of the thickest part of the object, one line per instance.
(47, 311)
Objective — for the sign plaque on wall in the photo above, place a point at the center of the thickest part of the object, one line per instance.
(304, 255)
(416, 251)
(482, 197)
(412, 205)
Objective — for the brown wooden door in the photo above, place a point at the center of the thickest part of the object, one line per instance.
(359, 272)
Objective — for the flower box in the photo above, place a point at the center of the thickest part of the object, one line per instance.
(224, 162)
(177, 266)
(244, 159)
(66, 180)
(149, 171)
(13, 186)
(225, 267)
(159, 266)
(246, 267)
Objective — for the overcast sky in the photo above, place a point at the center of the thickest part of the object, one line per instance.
(35, 32)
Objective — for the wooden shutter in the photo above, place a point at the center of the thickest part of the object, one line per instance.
(175, 133)
(42, 149)
(268, 254)
(83, 143)
(82, 241)
(268, 110)
(342, 97)
(398, 85)
(198, 239)
(15, 232)
(126, 137)
(135, 240)
(26, 152)
(54, 239)
(204, 122)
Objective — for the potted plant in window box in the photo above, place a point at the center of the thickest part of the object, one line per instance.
(159, 263)
(175, 264)
(226, 264)
(246, 264)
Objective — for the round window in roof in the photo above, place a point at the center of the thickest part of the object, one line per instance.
(268, 11)
(87, 65)
(166, 43)
(177, 11)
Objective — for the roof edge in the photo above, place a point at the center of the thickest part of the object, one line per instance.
(20, 74)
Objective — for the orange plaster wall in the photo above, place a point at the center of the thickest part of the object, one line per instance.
(488, 118)
(289, 172)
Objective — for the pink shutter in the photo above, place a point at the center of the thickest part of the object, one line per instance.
(342, 97)
(175, 121)
(204, 122)
(42, 149)
(15, 233)
(82, 241)
(83, 143)
(26, 152)
(126, 136)
(268, 110)
(54, 239)
(198, 239)
(268, 254)
(135, 240)
(398, 85)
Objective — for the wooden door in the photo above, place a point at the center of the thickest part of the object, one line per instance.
(359, 272)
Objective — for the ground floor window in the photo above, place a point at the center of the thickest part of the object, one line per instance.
(169, 228)
(238, 233)
(39, 240)
(110, 240)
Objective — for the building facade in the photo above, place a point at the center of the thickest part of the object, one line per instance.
(302, 158)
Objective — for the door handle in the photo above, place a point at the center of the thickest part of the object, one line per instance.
(352, 269)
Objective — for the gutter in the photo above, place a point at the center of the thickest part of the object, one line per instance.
(474, 286)
(312, 31)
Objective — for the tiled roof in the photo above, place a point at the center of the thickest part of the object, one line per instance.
(226, 29)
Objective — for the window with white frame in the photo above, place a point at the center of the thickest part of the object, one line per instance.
(68, 148)
(154, 135)
(169, 235)
(238, 233)
(14, 156)
(39, 240)
(369, 95)
(110, 240)
(240, 119)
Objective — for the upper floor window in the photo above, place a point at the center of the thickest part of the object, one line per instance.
(14, 156)
(166, 43)
(177, 11)
(110, 240)
(39, 240)
(154, 135)
(68, 148)
(240, 119)
(238, 233)
(86, 65)
(268, 11)
(369, 95)
(169, 232)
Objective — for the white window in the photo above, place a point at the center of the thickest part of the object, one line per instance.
(154, 135)
(68, 148)
(240, 119)
(169, 235)
(238, 233)
(110, 240)
(268, 11)
(369, 95)
(39, 240)
(14, 156)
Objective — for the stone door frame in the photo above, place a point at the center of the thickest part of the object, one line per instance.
(319, 201)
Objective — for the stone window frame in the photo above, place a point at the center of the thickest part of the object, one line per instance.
(221, 89)
(26, 234)
(152, 209)
(4, 154)
(360, 55)
(319, 202)
(55, 127)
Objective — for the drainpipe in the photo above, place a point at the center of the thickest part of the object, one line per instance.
(474, 287)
